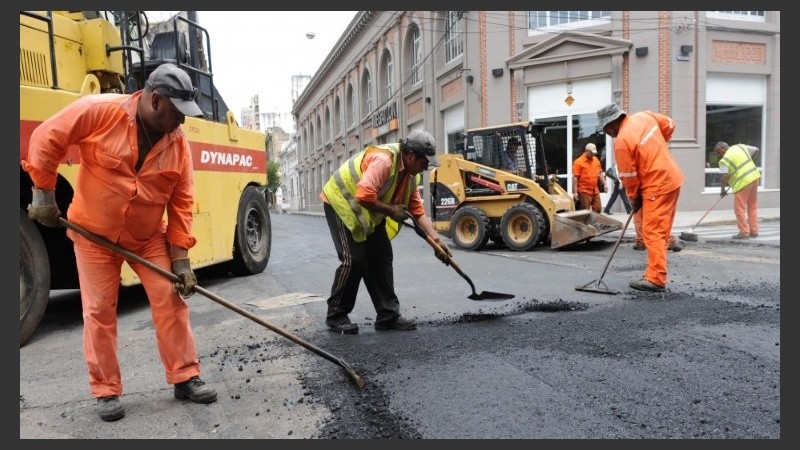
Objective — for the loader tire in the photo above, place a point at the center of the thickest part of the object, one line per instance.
(522, 226)
(469, 228)
(34, 277)
(253, 240)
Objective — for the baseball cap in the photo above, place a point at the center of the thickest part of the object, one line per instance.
(591, 147)
(423, 144)
(173, 82)
(608, 114)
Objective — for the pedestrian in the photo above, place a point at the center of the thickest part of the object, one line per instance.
(364, 201)
(587, 178)
(652, 181)
(737, 170)
(510, 159)
(617, 192)
(135, 164)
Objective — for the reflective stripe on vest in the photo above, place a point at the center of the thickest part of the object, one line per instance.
(741, 168)
(341, 192)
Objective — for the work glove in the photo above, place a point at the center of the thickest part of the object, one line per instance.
(183, 269)
(43, 208)
(723, 192)
(445, 252)
(636, 204)
(398, 212)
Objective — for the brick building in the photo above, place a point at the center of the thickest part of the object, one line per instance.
(716, 73)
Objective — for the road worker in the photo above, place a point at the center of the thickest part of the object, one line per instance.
(364, 202)
(587, 175)
(135, 165)
(738, 170)
(652, 180)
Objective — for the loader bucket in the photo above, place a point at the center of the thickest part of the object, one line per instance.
(579, 226)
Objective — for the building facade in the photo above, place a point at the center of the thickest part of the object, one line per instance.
(716, 73)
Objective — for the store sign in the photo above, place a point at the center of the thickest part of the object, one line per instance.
(385, 119)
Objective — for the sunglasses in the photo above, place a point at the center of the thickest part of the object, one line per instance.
(169, 91)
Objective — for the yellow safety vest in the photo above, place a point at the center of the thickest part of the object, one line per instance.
(741, 168)
(341, 192)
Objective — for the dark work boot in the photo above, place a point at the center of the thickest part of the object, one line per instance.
(400, 324)
(195, 390)
(110, 408)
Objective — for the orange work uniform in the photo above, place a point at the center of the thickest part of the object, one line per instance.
(127, 207)
(588, 171)
(648, 171)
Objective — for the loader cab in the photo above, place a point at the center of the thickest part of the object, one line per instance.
(491, 147)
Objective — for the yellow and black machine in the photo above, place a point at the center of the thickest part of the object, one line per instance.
(475, 198)
(65, 55)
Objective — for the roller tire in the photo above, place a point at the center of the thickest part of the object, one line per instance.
(252, 242)
(34, 277)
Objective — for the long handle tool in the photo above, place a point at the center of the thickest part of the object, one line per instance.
(134, 257)
(484, 295)
(598, 285)
(690, 235)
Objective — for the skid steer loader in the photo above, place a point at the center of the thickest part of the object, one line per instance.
(482, 194)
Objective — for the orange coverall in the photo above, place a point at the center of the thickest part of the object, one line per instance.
(588, 172)
(114, 201)
(648, 171)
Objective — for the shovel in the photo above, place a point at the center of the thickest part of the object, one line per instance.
(134, 257)
(598, 285)
(690, 235)
(485, 295)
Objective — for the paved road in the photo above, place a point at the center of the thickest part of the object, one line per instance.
(700, 361)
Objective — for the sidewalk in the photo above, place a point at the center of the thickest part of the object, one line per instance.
(685, 220)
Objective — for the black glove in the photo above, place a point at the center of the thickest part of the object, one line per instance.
(636, 204)
(444, 254)
(183, 269)
(398, 212)
(43, 208)
(723, 191)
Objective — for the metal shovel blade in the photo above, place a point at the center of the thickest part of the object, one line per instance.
(486, 295)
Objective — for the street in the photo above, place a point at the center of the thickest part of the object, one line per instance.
(701, 360)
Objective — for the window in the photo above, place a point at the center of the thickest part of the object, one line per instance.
(735, 113)
(388, 77)
(416, 54)
(734, 124)
(351, 94)
(328, 128)
(319, 135)
(366, 93)
(337, 116)
(454, 47)
(543, 20)
(752, 16)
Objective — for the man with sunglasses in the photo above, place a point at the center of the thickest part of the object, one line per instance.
(135, 164)
(364, 202)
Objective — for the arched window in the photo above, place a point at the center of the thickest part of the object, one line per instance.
(338, 125)
(351, 105)
(319, 133)
(328, 128)
(387, 76)
(414, 54)
(366, 93)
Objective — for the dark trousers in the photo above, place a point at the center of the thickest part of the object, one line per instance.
(371, 261)
(618, 191)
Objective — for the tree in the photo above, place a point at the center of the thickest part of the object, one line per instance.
(273, 181)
